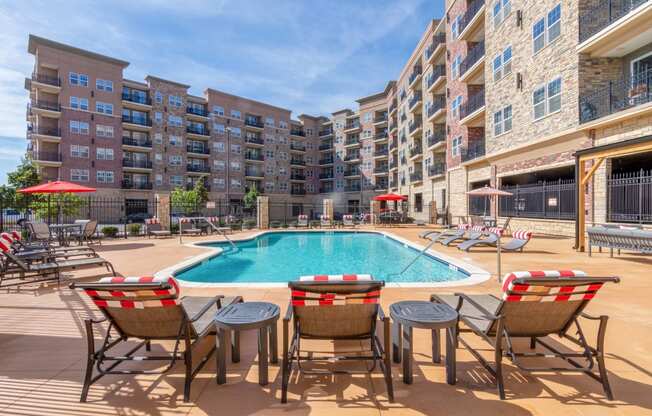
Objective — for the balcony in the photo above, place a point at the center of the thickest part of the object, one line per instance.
(611, 28)
(415, 126)
(326, 132)
(197, 111)
(137, 120)
(437, 169)
(393, 107)
(128, 141)
(437, 108)
(416, 151)
(472, 18)
(136, 164)
(296, 191)
(381, 136)
(351, 157)
(471, 65)
(199, 130)
(381, 151)
(436, 138)
(297, 177)
(326, 175)
(438, 74)
(381, 169)
(142, 99)
(393, 183)
(256, 157)
(47, 83)
(403, 118)
(325, 146)
(352, 125)
(416, 99)
(254, 122)
(326, 161)
(393, 163)
(254, 173)
(297, 147)
(352, 188)
(298, 132)
(415, 76)
(474, 150)
(437, 41)
(352, 172)
(49, 132)
(200, 150)
(256, 141)
(43, 156)
(130, 184)
(616, 96)
(352, 141)
(46, 105)
(297, 162)
(195, 168)
(393, 145)
(416, 176)
(326, 190)
(382, 119)
(472, 108)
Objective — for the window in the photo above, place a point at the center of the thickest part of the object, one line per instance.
(269, 121)
(219, 128)
(175, 121)
(79, 103)
(236, 183)
(158, 157)
(236, 114)
(269, 186)
(236, 149)
(103, 153)
(546, 29)
(455, 27)
(501, 10)
(455, 67)
(158, 138)
(367, 117)
(283, 124)
(547, 99)
(175, 101)
(158, 117)
(79, 175)
(283, 155)
(269, 138)
(503, 121)
(158, 179)
(456, 146)
(104, 108)
(79, 127)
(78, 79)
(269, 154)
(103, 131)
(283, 186)
(175, 160)
(269, 169)
(219, 146)
(219, 165)
(158, 97)
(79, 151)
(176, 180)
(502, 65)
(176, 141)
(455, 106)
(104, 176)
(219, 182)
(104, 85)
(236, 132)
(282, 171)
(235, 166)
(218, 110)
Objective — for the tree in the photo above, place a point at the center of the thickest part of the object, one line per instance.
(250, 198)
(202, 192)
(185, 201)
(25, 175)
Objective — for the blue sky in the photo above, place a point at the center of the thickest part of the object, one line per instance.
(308, 56)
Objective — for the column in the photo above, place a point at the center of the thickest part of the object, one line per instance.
(163, 209)
(262, 212)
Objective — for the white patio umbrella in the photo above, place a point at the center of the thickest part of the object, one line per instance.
(493, 193)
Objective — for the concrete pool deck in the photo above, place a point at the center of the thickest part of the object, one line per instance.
(42, 352)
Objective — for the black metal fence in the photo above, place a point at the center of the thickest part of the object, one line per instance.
(479, 205)
(630, 197)
(552, 200)
(600, 15)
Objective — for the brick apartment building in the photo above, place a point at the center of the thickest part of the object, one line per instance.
(502, 93)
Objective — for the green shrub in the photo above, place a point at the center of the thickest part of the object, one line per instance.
(249, 224)
(235, 226)
(174, 228)
(110, 232)
(274, 224)
(285, 225)
(134, 229)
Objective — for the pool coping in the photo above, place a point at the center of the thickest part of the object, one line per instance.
(476, 275)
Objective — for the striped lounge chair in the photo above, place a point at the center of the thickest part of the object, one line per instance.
(187, 226)
(325, 221)
(457, 230)
(490, 238)
(347, 221)
(536, 305)
(154, 228)
(520, 238)
(469, 233)
(302, 221)
(336, 307)
(146, 309)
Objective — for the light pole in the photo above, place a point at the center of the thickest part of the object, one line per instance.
(228, 166)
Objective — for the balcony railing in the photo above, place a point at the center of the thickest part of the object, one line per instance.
(141, 164)
(298, 132)
(129, 184)
(352, 156)
(326, 161)
(380, 119)
(437, 169)
(393, 107)
(136, 98)
(416, 150)
(393, 144)
(474, 103)
(253, 122)
(46, 156)
(254, 140)
(437, 136)
(298, 177)
(393, 183)
(129, 141)
(403, 96)
(46, 105)
(198, 168)
(474, 150)
(325, 146)
(352, 188)
(416, 176)
(254, 156)
(141, 121)
(255, 173)
(381, 136)
(616, 96)
(47, 131)
(416, 97)
(415, 125)
(393, 163)
(352, 125)
(470, 13)
(437, 72)
(351, 141)
(46, 79)
(382, 151)
(352, 172)
(381, 169)
(200, 150)
(326, 132)
(198, 111)
(203, 131)
(438, 103)
(380, 186)
(326, 175)
(295, 191)
(416, 72)
(436, 41)
(472, 57)
(298, 147)
(595, 18)
(298, 162)
(326, 190)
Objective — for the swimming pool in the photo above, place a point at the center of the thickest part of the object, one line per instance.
(278, 257)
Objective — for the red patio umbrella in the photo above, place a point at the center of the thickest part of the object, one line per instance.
(56, 187)
(390, 197)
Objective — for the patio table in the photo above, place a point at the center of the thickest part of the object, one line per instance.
(61, 231)
(426, 315)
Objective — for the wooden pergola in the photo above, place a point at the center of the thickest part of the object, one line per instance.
(582, 177)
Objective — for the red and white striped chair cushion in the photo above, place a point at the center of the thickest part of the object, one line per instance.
(302, 217)
(522, 234)
(463, 226)
(136, 298)
(213, 219)
(325, 218)
(336, 278)
(5, 247)
(347, 217)
(496, 230)
(530, 293)
(307, 298)
(154, 220)
(184, 220)
(7, 237)
(479, 228)
(16, 235)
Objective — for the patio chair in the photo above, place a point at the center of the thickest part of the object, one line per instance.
(457, 231)
(489, 239)
(39, 232)
(147, 309)
(87, 233)
(302, 221)
(347, 221)
(154, 228)
(520, 238)
(506, 228)
(535, 305)
(325, 221)
(28, 253)
(336, 307)
(186, 226)
(469, 233)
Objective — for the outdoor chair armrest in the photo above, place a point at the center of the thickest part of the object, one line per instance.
(381, 314)
(289, 313)
(487, 315)
(202, 311)
(97, 321)
(592, 317)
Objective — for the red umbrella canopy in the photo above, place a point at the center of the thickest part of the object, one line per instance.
(390, 197)
(56, 187)
(488, 191)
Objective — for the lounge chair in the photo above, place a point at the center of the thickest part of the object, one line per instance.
(12, 242)
(489, 239)
(215, 225)
(154, 228)
(535, 305)
(519, 239)
(87, 232)
(469, 233)
(458, 230)
(420, 223)
(325, 221)
(186, 226)
(147, 309)
(39, 232)
(341, 307)
(302, 221)
(347, 221)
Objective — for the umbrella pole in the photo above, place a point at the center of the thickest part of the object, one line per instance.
(49, 213)
(500, 279)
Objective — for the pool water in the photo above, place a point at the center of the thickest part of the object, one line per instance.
(279, 257)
